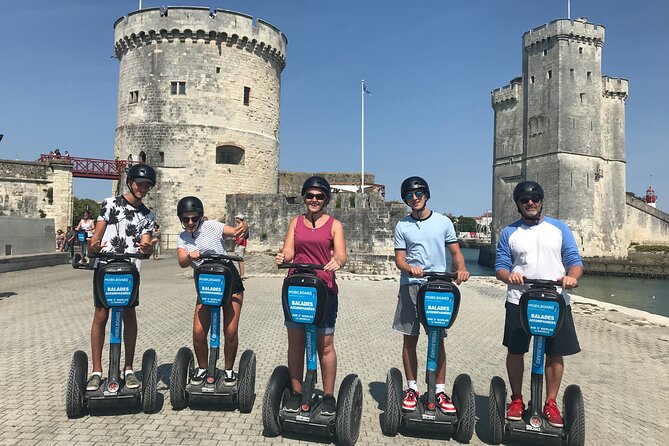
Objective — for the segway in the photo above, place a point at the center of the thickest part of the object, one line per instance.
(212, 281)
(304, 298)
(541, 312)
(79, 256)
(117, 283)
(438, 302)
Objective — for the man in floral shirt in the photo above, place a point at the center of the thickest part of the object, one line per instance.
(124, 226)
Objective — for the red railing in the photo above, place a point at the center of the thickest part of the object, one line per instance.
(91, 167)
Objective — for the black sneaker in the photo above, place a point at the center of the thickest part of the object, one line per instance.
(199, 377)
(93, 383)
(230, 378)
(293, 402)
(329, 406)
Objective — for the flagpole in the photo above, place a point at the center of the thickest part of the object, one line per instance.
(362, 181)
(569, 9)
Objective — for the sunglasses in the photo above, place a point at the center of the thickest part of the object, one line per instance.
(310, 196)
(193, 219)
(534, 198)
(418, 194)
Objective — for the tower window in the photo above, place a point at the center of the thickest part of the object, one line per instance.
(582, 95)
(545, 52)
(580, 50)
(178, 87)
(588, 75)
(229, 155)
(218, 70)
(161, 157)
(550, 74)
(571, 73)
(134, 97)
(531, 79)
(247, 95)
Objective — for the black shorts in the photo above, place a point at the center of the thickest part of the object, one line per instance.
(237, 284)
(96, 298)
(518, 342)
(327, 325)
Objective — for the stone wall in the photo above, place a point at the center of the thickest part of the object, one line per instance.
(290, 183)
(19, 235)
(646, 224)
(37, 190)
(369, 222)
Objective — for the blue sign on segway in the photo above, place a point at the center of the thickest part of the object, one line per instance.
(302, 303)
(438, 308)
(118, 289)
(542, 317)
(211, 287)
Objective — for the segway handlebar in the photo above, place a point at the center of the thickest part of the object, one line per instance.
(311, 266)
(542, 282)
(440, 275)
(215, 256)
(120, 255)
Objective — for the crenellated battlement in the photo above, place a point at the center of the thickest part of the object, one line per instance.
(507, 93)
(578, 30)
(193, 24)
(615, 87)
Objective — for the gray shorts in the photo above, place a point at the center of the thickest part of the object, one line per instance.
(240, 251)
(406, 315)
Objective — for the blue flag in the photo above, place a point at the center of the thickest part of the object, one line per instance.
(364, 87)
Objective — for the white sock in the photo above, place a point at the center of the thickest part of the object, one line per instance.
(228, 373)
(97, 373)
(412, 384)
(440, 388)
(127, 372)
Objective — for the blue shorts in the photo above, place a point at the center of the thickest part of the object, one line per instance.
(565, 343)
(327, 325)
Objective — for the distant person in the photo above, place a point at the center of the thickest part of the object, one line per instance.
(87, 225)
(536, 247)
(240, 245)
(421, 241)
(130, 159)
(315, 237)
(124, 226)
(70, 235)
(67, 154)
(57, 153)
(156, 241)
(60, 240)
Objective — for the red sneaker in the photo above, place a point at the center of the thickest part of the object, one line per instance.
(552, 414)
(410, 401)
(514, 410)
(445, 404)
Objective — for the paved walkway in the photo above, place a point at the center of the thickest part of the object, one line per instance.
(45, 315)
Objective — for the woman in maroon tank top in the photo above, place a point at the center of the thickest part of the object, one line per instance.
(315, 237)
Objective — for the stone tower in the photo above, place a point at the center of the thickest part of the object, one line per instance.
(199, 99)
(562, 123)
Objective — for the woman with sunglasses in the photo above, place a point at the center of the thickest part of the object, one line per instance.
(315, 237)
(207, 237)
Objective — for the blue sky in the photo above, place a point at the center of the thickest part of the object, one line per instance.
(430, 66)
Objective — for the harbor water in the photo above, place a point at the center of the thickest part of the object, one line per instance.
(651, 295)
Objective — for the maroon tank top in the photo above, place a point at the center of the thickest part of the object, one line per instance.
(315, 245)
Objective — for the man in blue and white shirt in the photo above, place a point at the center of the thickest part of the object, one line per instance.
(536, 247)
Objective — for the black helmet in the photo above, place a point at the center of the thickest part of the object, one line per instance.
(190, 204)
(526, 188)
(413, 183)
(141, 173)
(318, 183)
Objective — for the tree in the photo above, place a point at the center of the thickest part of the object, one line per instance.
(466, 224)
(79, 205)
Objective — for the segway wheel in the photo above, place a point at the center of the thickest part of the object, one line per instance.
(75, 260)
(464, 401)
(149, 381)
(349, 410)
(76, 385)
(181, 373)
(247, 381)
(496, 401)
(574, 416)
(393, 414)
(277, 387)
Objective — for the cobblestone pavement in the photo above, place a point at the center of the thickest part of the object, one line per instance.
(45, 315)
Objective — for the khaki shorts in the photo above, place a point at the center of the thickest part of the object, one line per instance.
(406, 315)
